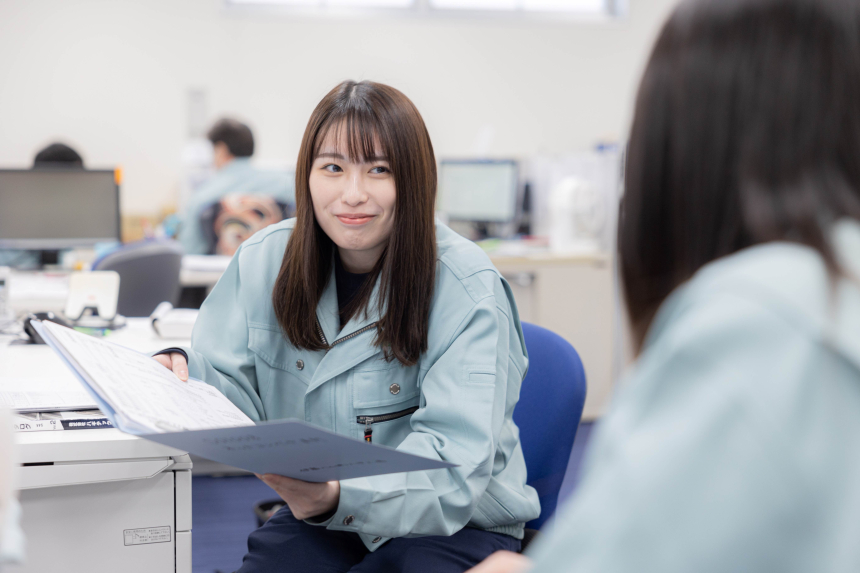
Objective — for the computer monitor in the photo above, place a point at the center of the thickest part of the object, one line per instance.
(51, 209)
(482, 191)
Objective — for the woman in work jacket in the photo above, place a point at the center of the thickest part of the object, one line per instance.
(367, 318)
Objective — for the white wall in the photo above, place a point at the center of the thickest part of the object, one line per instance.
(111, 78)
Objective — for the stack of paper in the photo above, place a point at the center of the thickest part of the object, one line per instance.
(25, 400)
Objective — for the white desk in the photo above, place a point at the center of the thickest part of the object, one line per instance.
(575, 296)
(99, 500)
(202, 270)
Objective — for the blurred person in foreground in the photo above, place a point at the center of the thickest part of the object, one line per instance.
(53, 156)
(237, 200)
(733, 445)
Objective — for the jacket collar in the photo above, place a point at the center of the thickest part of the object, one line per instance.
(770, 272)
(344, 354)
(328, 312)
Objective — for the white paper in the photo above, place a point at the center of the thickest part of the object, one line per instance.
(28, 401)
(144, 393)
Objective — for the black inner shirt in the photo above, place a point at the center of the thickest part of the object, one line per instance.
(348, 284)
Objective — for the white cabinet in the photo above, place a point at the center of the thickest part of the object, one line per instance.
(100, 501)
(572, 296)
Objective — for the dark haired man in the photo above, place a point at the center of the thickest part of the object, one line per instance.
(58, 155)
(233, 145)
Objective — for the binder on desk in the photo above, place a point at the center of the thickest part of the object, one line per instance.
(143, 398)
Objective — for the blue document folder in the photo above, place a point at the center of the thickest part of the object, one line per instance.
(295, 449)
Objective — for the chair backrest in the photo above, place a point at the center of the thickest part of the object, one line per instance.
(548, 413)
(148, 275)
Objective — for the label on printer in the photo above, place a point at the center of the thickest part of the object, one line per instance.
(146, 535)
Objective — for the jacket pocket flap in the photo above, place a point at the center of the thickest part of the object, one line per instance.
(374, 388)
(274, 350)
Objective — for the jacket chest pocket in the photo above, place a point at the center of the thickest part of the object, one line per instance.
(384, 401)
(283, 373)
(380, 387)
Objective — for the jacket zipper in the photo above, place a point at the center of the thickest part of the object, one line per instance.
(347, 337)
(368, 420)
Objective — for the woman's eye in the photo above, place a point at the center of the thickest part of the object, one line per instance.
(332, 168)
(379, 170)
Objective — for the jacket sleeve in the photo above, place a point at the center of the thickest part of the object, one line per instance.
(459, 421)
(219, 353)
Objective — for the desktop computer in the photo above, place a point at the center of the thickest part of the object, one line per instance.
(479, 197)
(53, 209)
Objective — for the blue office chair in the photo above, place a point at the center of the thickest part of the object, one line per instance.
(548, 414)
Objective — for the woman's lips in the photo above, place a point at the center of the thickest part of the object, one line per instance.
(355, 219)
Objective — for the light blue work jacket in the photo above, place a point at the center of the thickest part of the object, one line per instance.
(238, 177)
(454, 405)
(734, 445)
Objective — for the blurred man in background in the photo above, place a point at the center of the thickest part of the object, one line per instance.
(238, 200)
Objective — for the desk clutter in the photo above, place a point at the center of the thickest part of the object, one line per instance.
(86, 299)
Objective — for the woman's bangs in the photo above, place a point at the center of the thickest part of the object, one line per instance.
(359, 137)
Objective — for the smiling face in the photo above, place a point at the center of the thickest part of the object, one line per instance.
(353, 201)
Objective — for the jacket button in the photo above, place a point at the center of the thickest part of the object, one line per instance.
(300, 364)
(377, 539)
(348, 519)
(394, 388)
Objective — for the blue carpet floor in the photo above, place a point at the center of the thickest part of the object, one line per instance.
(224, 516)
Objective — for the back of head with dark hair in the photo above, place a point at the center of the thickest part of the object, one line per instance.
(235, 135)
(58, 155)
(746, 130)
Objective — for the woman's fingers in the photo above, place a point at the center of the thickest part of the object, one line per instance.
(306, 499)
(180, 366)
(176, 362)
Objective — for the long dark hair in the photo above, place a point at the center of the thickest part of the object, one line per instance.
(369, 112)
(746, 130)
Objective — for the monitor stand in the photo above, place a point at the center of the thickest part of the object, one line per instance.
(49, 257)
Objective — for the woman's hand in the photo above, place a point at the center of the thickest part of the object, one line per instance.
(306, 499)
(176, 362)
(502, 562)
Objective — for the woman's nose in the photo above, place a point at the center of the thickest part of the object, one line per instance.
(354, 195)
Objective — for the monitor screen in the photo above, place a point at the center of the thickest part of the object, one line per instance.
(57, 208)
(483, 191)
